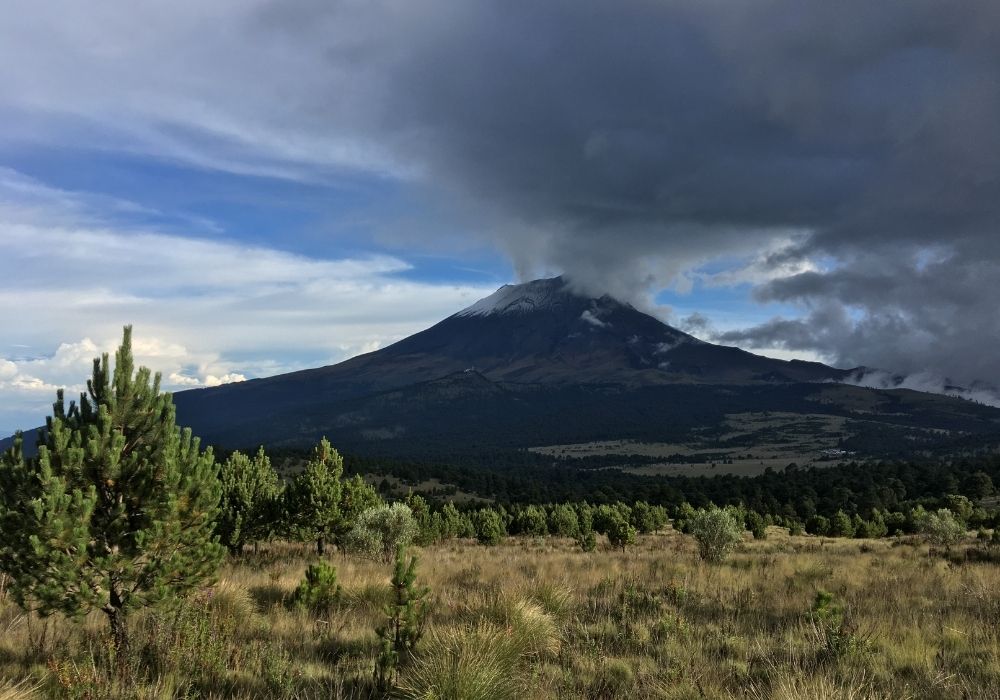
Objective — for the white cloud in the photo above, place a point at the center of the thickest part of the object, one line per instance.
(179, 380)
(930, 382)
(205, 312)
(591, 318)
(232, 377)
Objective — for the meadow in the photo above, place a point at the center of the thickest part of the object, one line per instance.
(786, 617)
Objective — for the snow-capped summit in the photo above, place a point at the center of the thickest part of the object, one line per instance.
(521, 298)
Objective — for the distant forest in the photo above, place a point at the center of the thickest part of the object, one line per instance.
(856, 488)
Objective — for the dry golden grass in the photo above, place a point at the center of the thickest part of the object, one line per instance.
(542, 619)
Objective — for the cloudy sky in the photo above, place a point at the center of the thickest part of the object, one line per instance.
(265, 185)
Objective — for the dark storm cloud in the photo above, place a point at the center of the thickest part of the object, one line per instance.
(627, 143)
(841, 157)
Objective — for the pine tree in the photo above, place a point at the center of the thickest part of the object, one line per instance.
(563, 521)
(620, 532)
(452, 521)
(421, 510)
(250, 491)
(314, 496)
(489, 526)
(531, 521)
(841, 525)
(755, 523)
(356, 497)
(117, 510)
(405, 624)
(643, 518)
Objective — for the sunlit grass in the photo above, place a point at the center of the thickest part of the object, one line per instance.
(540, 618)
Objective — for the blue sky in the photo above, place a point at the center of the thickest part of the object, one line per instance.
(262, 185)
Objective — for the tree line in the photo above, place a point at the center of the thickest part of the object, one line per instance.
(796, 493)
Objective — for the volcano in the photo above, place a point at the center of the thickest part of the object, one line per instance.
(535, 334)
(540, 364)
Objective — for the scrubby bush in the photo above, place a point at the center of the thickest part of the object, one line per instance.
(960, 506)
(682, 517)
(818, 525)
(356, 496)
(453, 522)
(585, 517)
(430, 524)
(380, 531)
(644, 518)
(717, 532)
(606, 516)
(942, 528)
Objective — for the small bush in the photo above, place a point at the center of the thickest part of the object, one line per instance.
(405, 624)
(717, 533)
(318, 591)
(616, 679)
(833, 627)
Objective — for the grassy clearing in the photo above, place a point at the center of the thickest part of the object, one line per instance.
(750, 443)
(540, 619)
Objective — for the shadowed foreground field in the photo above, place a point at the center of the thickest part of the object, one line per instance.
(542, 619)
